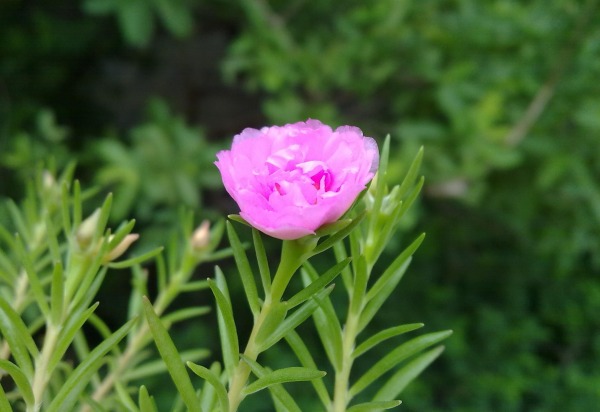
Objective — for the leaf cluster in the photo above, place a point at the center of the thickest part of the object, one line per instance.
(53, 261)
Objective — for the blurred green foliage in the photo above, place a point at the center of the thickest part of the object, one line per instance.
(503, 94)
(136, 18)
(162, 168)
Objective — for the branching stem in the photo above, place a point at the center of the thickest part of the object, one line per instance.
(293, 254)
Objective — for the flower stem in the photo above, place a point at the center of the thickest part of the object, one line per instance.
(242, 371)
(293, 254)
(341, 396)
(42, 371)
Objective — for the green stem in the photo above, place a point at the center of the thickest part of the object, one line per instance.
(42, 372)
(293, 254)
(341, 396)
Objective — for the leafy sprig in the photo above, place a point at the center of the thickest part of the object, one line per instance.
(358, 240)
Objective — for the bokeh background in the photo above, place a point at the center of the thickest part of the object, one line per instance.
(503, 94)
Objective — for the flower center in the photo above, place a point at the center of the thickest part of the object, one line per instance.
(289, 173)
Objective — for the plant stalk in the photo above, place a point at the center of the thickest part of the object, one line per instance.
(341, 395)
(293, 254)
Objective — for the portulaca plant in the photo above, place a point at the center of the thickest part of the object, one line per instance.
(317, 190)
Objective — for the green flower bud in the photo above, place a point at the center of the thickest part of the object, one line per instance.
(87, 229)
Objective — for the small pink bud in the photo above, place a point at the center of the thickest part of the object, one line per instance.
(121, 247)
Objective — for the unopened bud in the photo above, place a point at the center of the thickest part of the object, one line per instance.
(87, 229)
(48, 181)
(201, 236)
(121, 247)
(391, 201)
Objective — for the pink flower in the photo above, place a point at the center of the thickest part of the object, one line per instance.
(289, 181)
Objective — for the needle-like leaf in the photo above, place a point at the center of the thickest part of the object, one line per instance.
(243, 266)
(227, 328)
(172, 359)
(396, 356)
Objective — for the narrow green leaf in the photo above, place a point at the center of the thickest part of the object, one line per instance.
(103, 218)
(208, 395)
(65, 204)
(361, 277)
(318, 284)
(136, 260)
(158, 366)
(66, 336)
(213, 379)
(125, 398)
(52, 240)
(139, 283)
(243, 266)
(8, 238)
(387, 224)
(382, 336)
(410, 199)
(396, 356)
(145, 401)
(21, 381)
(216, 234)
(341, 254)
(95, 406)
(296, 318)
(19, 340)
(185, 314)
(161, 272)
(194, 286)
(327, 323)
(218, 255)
(239, 219)
(333, 227)
(88, 286)
(373, 306)
(77, 204)
(397, 382)
(374, 406)
(355, 240)
(4, 403)
(303, 354)
(120, 234)
(82, 350)
(8, 272)
(34, 280)
(18, 220)
(278, 392)
(57, 293)
(284, 375)
(68, 172)
(384, 280)
(263, 262)
(336, 237)
(380, 183)
(171, 357)
(411, 174)
(79, 378)
(227, 329)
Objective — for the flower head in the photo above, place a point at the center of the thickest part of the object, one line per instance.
(290, 180)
